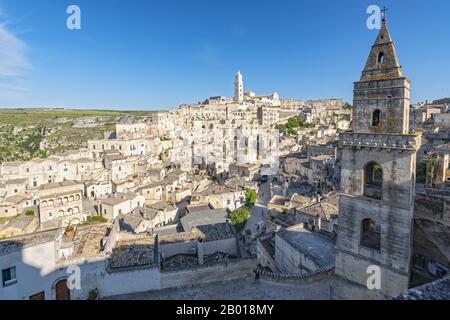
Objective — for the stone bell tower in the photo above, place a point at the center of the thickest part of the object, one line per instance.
(238, 87)
(378, 167)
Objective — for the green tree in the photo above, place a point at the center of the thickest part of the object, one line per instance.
(347, 106)
(293, 122)
(239, 217)
(250, 196)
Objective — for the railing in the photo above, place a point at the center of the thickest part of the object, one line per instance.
(316, 275)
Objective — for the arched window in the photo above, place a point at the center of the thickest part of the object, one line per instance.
(381, 58)
(370, 234)
(373, 180)
(376, 118)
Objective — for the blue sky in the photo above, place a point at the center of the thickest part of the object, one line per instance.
(137, 54)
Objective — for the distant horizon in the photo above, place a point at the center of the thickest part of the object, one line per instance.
(118, 109)
(162, 54)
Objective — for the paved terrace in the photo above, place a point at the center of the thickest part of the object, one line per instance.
(240, 289)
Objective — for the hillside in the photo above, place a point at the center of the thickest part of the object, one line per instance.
(29, 133)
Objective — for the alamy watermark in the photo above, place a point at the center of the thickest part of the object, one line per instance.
(74, 20)
(376, 16)
(374, 279)
(74, 280)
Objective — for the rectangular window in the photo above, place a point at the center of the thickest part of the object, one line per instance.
(9, 276)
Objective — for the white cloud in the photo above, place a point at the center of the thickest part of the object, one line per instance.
(13, 59)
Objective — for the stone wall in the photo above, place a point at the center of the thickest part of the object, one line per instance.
(398, 169)
(204, 274)
(342, 289)
(390, 96)
(431, 229)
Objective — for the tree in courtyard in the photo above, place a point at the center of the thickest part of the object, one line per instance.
(239, 217)
(250, 196)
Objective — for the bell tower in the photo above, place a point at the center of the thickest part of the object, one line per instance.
(238, 87)
(378, 166)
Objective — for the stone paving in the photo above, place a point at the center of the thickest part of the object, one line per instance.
(240, 289)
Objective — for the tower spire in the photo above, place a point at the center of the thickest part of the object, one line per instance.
(382, 62)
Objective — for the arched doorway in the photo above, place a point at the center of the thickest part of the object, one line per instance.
(62, 291)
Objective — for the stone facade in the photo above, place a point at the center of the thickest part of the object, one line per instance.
(377, 181)
(61, 201)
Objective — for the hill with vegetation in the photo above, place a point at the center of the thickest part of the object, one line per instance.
(30, 133)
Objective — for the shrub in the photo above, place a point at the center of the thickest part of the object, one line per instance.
(250, 196)
(239, 217)
(93, 294)
(29, 213)
(95, 219)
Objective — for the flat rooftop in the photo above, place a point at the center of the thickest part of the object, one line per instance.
(88, 240)
(316, 247)
(138, 252)
(202, 218)
(14, 244)
(217, 231)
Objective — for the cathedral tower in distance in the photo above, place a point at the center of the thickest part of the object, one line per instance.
(238, 88)
(378, 168)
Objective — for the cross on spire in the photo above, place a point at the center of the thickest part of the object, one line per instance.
(383, 13)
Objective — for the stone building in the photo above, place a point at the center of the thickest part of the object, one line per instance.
(61, 203)
(238, 88)
(268, 116)
(300, 251)
(377, 180)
